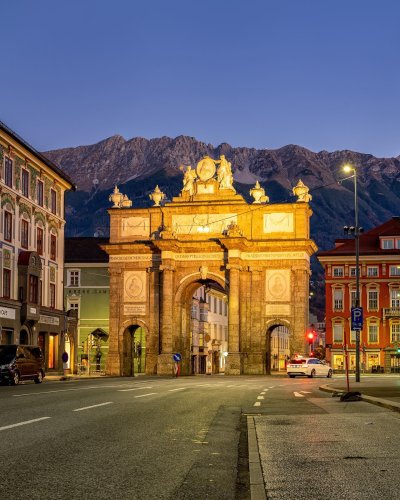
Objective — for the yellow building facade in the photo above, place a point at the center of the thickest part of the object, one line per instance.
(258, 254)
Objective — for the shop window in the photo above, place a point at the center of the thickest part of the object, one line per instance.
(6, 283)
(52, 351)
(8, 172)
(6, 336)
(25, 182)
(7, 226)
(24, 233)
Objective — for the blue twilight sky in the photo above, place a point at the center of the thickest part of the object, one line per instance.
(323, 74)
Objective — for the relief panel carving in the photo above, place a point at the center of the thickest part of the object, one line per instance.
(278, 222)
(135, 226)
(135, 286)
(277, 285)
(194, 224)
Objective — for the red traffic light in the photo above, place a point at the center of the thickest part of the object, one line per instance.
(310, 336)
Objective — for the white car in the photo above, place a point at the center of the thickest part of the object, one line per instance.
(308, 367)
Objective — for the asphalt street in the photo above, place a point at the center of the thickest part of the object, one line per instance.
(159, 438)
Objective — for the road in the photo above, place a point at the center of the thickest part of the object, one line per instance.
(185, 438)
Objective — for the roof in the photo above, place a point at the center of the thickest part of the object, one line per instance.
(369, 241)
(85, 249)
(36, 153)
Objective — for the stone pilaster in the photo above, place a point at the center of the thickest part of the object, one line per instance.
(165, 362)
(300, 279)
(233, 362)
(113, 364)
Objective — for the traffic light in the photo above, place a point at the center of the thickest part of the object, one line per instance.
(310, 337)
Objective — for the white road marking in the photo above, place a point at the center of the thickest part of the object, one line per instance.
(257, 403)
(272, 386)
(306, 392)
(23, 423)
(177, 389)
(262, 392)
(93, 406)
(260, 397)
(298, 395)
(144, 395)
(59, 390)
(231, 386)
(135, 389)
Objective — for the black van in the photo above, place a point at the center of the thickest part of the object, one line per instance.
(21, 362)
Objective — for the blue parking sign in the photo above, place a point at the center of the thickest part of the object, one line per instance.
(356, 318)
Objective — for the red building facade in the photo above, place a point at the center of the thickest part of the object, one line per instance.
(379, 297)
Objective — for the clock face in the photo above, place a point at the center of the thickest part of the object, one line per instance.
(205, 169)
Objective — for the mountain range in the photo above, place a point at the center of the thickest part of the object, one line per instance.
(138, 164)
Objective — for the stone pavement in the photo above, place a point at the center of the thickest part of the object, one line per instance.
(381, 390)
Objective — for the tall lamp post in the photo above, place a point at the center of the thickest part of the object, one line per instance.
(356, 230)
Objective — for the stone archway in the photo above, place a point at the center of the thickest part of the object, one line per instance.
(259, 253)
(276, 353)
(133, 339)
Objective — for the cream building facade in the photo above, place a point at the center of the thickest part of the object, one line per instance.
(258, 254)
(32, 224)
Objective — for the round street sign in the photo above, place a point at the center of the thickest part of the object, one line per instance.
(177, 357)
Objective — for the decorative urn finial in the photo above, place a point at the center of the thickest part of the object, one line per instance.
(116, 197)
(157, 196)
(126, 202)
(301, 191)
(258, 193)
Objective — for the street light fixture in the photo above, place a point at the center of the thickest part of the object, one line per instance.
(356, 230)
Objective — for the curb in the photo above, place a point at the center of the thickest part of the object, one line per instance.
(257, 487)
(384, 403)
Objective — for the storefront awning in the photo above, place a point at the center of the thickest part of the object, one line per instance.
(100, 334)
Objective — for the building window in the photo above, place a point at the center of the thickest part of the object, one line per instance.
(52, 295)
(40, 193)
(24, 233)
(338, 333)
(53, 201)
(338, 272)
(73, 278)
(395, 332)
(39, 240)
(372, 271)
(338, 299)
(53, 247)
(8, 172)
(40, 292)
(6, 283)
(372, 333)
(25, 182)
(7, 226)
(394, 271)
(387, 244)
(395, 298)
(353, 298)
(33, 289)
(74, 306)
(372, 300)
(353, 271)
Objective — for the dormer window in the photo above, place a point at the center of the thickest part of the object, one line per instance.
(387, 243)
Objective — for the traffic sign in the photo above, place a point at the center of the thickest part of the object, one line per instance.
(177, 357)
(356, 318)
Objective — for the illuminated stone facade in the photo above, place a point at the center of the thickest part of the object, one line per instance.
(259, 254)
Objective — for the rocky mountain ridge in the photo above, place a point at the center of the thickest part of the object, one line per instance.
(138, 164)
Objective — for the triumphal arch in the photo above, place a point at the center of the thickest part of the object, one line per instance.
(258, 253)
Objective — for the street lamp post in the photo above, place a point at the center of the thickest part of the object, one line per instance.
(349, 168)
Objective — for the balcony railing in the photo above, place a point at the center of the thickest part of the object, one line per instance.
(391, 312)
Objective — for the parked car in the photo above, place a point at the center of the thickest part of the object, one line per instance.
(21, 362)
(308, 367)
